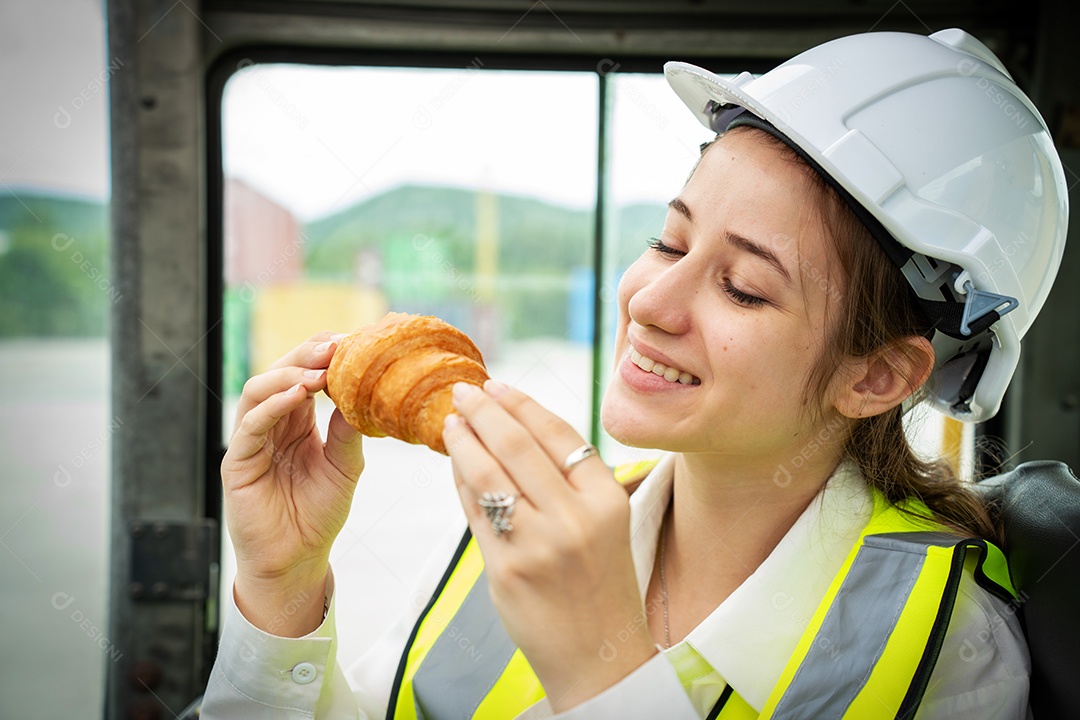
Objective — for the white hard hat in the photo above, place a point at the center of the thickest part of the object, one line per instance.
(947, 162)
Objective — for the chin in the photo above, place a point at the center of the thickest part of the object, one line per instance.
(625, 422)
(628, 439)
(615, 424)
(626, 429)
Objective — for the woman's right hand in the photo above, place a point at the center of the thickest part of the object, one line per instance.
(287, 493)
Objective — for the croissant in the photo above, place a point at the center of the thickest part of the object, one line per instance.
(393, 378)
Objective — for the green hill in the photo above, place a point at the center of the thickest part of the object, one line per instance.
(423, 240)
(54, 274)
(636, 225)
(534, 236)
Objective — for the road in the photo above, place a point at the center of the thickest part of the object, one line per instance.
(54, 445)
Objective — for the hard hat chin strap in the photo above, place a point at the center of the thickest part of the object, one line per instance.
(966, 320)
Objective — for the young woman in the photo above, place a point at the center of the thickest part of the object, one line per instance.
(878, 220)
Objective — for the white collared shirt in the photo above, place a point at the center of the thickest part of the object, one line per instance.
(982, 672)
(749, 638)
(780, 596)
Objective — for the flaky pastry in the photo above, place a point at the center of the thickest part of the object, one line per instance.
(393, 378)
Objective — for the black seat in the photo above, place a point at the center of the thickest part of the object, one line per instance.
(1039, 503)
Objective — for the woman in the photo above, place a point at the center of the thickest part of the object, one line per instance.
(874, 222)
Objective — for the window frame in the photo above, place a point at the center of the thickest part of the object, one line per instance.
(603, 67)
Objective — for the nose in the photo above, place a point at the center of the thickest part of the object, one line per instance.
(663, 299)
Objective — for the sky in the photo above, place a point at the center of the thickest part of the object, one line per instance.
(318, 139)
(53, 128)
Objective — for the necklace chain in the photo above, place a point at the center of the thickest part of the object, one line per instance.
(663, 580)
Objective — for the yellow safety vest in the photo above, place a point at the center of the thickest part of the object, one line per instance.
(888, 609)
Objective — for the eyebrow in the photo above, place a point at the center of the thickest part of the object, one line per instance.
(680, 207)
(758, 250)
(744, 244)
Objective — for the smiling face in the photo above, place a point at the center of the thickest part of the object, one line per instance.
(732, 302)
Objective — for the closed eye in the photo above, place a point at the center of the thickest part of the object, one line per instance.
(658, 245)
(741, 297)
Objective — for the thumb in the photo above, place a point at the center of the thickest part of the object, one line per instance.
(344, 447)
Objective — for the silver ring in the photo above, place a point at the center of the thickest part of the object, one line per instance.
(585, 451)
(499, 506)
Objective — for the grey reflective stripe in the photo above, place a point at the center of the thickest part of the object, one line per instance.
(857, 625)
(465, 661)
(914, 542)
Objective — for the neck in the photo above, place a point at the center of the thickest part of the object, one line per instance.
(725, 518)
(745, 507)
(751, 494)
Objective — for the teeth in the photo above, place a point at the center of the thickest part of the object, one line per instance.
(644, 363)
(671, 374)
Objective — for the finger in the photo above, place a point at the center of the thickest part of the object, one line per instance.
(344, 446)
(250, 435)
(476, 472)
(511, 445)
(315, 353)
(557, 437)
(260, 387)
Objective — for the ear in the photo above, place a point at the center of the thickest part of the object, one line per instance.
(880, 381)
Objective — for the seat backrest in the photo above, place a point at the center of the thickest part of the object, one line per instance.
(1039, 504)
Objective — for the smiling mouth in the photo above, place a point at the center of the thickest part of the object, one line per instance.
(671, 374)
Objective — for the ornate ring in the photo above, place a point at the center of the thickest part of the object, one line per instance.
(585, 451)
(499, 506)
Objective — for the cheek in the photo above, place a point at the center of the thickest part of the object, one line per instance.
(766, 359)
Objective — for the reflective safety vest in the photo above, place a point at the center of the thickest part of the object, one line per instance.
(888, 609)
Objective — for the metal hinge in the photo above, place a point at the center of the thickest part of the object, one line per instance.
(172, 561)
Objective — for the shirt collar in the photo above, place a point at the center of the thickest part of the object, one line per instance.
(749, 638)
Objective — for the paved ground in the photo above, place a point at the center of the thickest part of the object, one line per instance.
(54, 440)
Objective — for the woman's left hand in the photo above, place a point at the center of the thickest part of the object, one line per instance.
(563, 579)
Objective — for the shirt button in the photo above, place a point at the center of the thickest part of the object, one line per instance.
(303, 673)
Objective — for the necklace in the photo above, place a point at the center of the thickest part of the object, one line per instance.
(663, 580)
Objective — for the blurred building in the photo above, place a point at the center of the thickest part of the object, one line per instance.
(263, 241)
(269, 306)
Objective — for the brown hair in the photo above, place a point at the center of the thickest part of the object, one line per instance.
(876, 310)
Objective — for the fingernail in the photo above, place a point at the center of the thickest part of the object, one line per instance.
(495, 388)
(452, 421)
(338, 338)
(314, 374)
(322, 347)
(463, 390)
